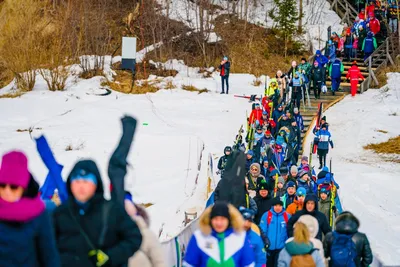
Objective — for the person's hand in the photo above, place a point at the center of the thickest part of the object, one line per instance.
(56, 199)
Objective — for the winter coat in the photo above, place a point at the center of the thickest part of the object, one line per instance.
(263, 205)
(332, 52)
(256, 115)
(291, 73)
(150, 253)
(256, 243)
(276, 231)
(324, 137)
(288, 199)
(280, 192)
(369, 44)
(305, 68)
(318, 74)
(361, 36)
(256, 179)
(206, 246)
(348, 43)
(354, 73)
(249, 162)
(309, 186)
(322, 221)
(225, 69)
(277, 115)
(374, 26)
(322, 60)
(325, 207)
(27, 235)
(294, 207)
(347, 223)
(312, 225)
(222, 162)
(336, 69)
(292, 248)
(299, 121)
(121, 240)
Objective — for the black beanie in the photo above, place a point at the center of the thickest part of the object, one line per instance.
(276, 201)
(220, 208)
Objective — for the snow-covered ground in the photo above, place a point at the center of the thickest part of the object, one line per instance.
(368, 181)
(174, 125)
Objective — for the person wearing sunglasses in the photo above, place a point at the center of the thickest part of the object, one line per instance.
(27, 236)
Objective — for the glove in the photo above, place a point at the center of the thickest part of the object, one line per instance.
(99, 258)
(334, 209)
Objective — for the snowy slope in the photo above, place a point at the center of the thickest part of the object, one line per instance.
(368, 182)
(166, 152)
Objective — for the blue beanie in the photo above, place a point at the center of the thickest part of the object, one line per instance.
(273, 173)
(318, 52)
(325, 169)
(291, 184)
(83, 175)
(250, 152)
(301, 191)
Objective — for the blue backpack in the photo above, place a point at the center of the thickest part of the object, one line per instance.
(343, 251)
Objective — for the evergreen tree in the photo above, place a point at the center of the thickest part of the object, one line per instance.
(285, 15)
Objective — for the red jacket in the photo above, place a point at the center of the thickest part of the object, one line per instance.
(256, 114)
(354, 73)
(265, 103)
(374, 26)
(361, 15)
(370, 8)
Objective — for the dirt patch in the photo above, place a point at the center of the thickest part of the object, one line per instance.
(392, 146)
(382, 131)
(192, 88)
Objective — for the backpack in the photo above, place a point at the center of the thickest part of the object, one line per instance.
(305, 260)
(269, 218)
(343, 251)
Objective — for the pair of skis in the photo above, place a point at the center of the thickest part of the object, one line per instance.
(317, 125)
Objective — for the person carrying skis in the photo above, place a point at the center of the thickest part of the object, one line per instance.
(325, 204)
(369, 45)
(263, 200)
(324, 140)
(298, 202)
(254, 177)
(225, 67)
(224, 159)
(354, 75)
(335, 73)
(290, 195)
(219, 224)
(253, 237)
(346, 246)
(256, 115)
(277, 114)
(318, 78)
(331, 52)
(274, 225)
(311, 208)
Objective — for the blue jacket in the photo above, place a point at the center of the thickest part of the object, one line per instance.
(310, 189)
(369, 44)
(336, 69)
(296, 82)
(324, 137)
(322, 60)
(276, 231)
(205, 250)
(299, 121)
(30, 244)
(53, 179)
(227, 67)
(257, 245)
(276, 115)
(332, 52)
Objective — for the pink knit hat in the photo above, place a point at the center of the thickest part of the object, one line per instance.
(14, 169)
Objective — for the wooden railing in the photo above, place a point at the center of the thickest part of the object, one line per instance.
(345, 10)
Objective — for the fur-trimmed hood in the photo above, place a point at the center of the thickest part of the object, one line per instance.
(236, 220)
(311, 223)
(257, 165)
(347, 223)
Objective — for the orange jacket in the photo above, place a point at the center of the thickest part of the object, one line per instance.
(294, 207)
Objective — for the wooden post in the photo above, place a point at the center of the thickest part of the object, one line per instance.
(371, 72)
(387, 52)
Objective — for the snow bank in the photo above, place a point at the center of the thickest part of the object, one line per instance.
(177, 130)
(367, 181)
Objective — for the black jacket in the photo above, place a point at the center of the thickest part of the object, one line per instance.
(347, 223)
(321, 218)
(318, 74)
(122, 238)
(263, 205)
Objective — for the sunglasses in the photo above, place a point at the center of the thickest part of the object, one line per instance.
(12, 187)
(254, 169)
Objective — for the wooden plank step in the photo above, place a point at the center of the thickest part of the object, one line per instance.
(328, 83)
(360, 67)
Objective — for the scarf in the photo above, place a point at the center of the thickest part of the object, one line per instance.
(24, 210)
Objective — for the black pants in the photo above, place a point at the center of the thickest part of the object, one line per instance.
(322, 156)
(225, 79)
(272, 257)
(296, 97)
(317, 85)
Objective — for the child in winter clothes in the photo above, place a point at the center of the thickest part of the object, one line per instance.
(220, 224)
(324, 140)
(304, 181)
(298, 203)
(299, 119)
(224, 159)
(290, 195)
(297, 84)
(324, 203)
(27, 235)
(274, 225)
(281, 189)
(300, 245)
(151, 253)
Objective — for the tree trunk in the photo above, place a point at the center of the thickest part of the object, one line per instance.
(300, 27)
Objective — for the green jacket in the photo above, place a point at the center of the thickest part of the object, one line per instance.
(306, 67)
(324, 206)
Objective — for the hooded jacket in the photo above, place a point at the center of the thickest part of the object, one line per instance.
(254, 180)
(122, 238)
(292, 248)
(318, 74)
(206, 247)
(263, 205)
(276, 231)
(336, 69)
(322, 220)
(347, 223)
(369, 44)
